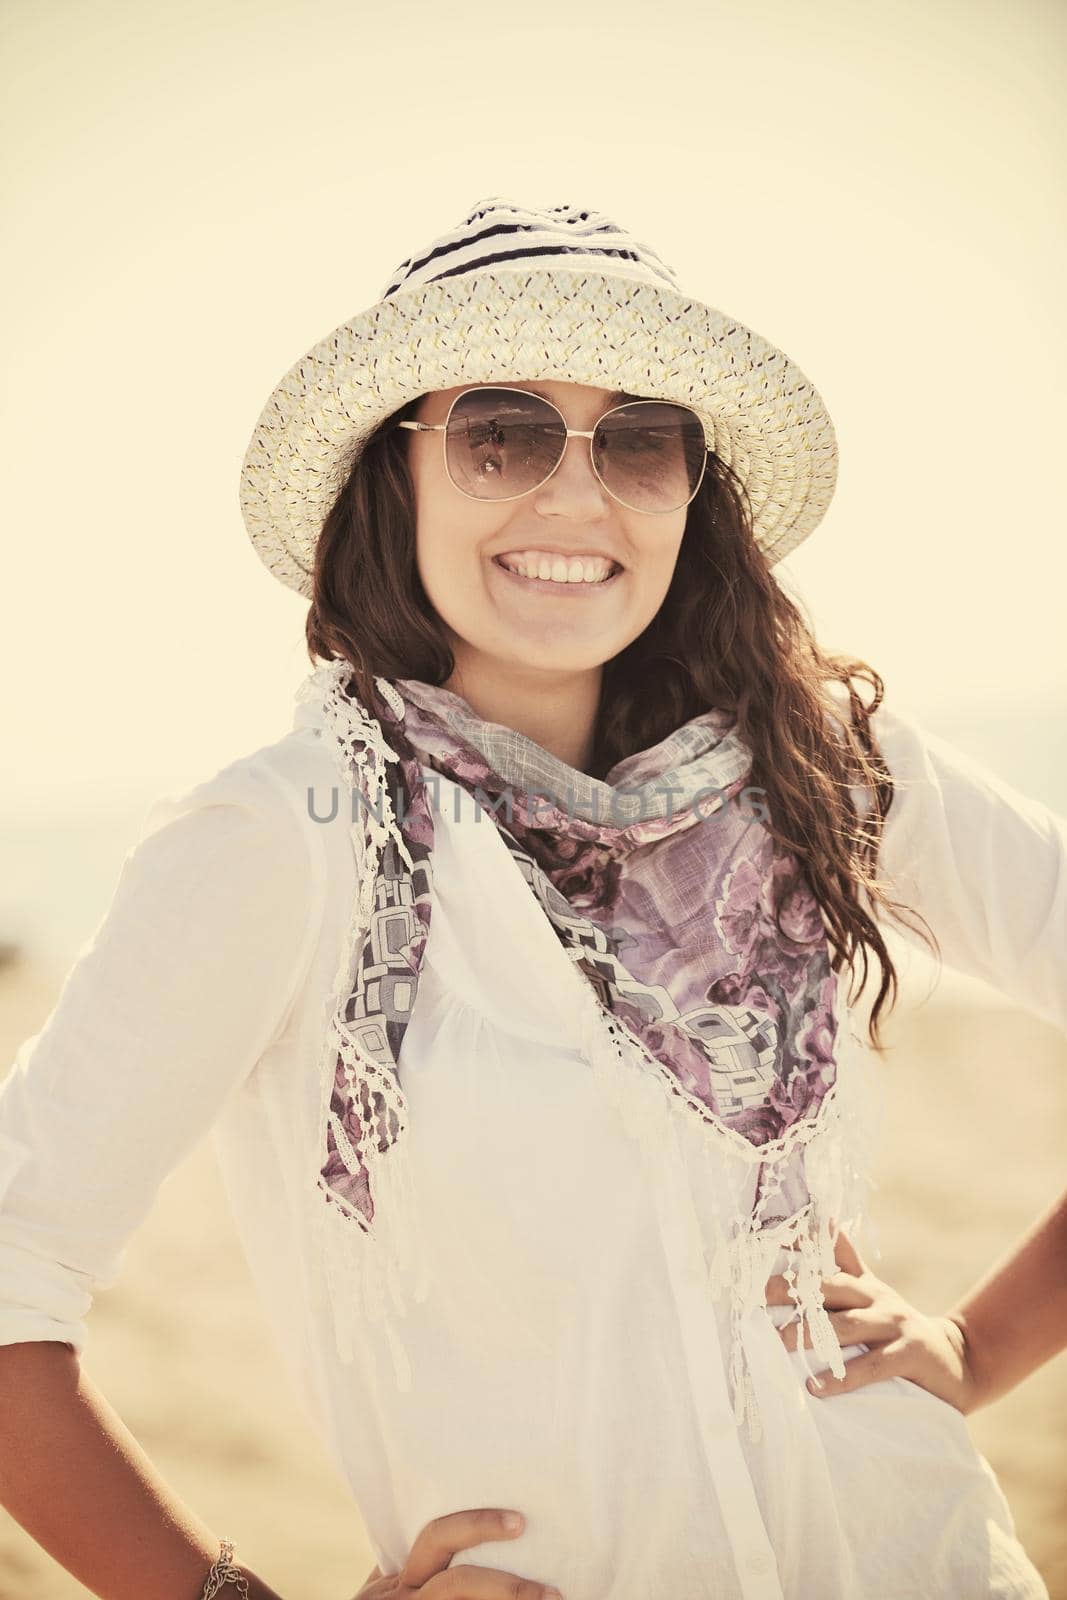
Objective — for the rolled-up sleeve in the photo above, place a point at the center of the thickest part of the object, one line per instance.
(985, 864)
(191, 973)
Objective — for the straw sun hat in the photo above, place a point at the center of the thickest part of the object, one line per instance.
(518, 294)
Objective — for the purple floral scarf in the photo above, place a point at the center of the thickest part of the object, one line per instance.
(660, 882)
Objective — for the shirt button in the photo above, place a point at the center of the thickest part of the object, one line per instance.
(759, 1562)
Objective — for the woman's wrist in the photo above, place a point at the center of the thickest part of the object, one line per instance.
(257, 1588)
(979, 1386)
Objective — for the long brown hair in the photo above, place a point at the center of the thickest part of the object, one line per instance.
(726, 635)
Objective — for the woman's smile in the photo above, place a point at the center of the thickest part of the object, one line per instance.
(546, 572)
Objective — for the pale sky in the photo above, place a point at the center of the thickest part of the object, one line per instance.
(196, 193)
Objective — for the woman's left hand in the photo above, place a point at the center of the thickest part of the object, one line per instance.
(904, 1343)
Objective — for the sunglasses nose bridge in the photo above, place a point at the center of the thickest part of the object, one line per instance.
(565, 436)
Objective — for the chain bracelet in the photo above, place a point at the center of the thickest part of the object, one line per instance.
(223, 1572)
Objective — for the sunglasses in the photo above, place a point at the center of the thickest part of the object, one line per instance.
(502, 443)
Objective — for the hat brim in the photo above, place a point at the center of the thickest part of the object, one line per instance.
(761, 414)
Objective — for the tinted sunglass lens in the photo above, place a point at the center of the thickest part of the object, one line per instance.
(501, 443)
(651, 454)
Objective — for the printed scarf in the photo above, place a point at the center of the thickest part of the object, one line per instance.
(702, 945)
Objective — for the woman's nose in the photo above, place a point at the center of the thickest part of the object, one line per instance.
(574, 488)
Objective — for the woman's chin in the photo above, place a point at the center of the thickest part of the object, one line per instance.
(546, 650)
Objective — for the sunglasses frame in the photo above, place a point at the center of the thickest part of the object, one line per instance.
(570, 433)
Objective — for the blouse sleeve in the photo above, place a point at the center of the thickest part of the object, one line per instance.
(984, 864)
(189, 976)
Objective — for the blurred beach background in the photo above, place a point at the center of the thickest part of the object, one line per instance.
(194, 195)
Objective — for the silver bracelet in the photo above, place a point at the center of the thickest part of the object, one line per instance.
(224, 1572)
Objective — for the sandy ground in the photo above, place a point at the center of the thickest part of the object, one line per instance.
(178, 1349)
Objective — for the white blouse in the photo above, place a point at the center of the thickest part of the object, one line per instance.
(570, 1362)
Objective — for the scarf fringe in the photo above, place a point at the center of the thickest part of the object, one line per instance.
(832, 1154)
(366, 1268)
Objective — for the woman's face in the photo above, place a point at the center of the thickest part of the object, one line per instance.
(464, 547)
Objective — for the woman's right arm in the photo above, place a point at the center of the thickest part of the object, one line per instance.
(187, 979)
(75, 1478)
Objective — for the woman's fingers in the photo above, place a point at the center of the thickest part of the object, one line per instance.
(848, 1327)
(446, 1536)
(428, 1573)
(846, 1255)
(459, 1583)
(870, 1367)
(484, 1583)
(427, 1569)
(841, 1292)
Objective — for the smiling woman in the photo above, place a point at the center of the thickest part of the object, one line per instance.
(539, 1088)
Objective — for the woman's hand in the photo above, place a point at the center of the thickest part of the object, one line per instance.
(904, 1343)
(427, 1572)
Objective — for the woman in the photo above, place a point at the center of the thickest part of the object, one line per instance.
(517, 984)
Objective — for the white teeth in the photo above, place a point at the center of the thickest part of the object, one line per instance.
(558, 569)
